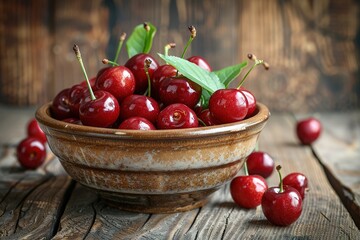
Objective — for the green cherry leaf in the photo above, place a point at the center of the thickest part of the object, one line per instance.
(228, 74)
(205, 97)
(140, 41)
(207, 80)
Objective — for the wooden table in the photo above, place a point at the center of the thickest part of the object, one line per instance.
(47, 204)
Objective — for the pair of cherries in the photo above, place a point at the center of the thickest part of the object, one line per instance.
(31, 151)
(281, 205)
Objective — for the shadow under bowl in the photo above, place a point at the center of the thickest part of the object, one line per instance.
(158, 171)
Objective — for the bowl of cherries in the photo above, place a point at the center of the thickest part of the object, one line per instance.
(154, 138)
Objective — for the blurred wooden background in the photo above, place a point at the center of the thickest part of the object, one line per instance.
(311, 45)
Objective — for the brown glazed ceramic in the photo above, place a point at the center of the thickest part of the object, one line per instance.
(154, 171)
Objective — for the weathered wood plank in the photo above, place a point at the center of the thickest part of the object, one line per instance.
(14, 190)
(34, 203)
(323, 214)
(338, 150)
(38, 214)
(79, 214)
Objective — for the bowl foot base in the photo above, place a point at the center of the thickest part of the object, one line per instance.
(157, 203)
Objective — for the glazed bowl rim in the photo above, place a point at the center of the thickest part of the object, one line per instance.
(44, 118)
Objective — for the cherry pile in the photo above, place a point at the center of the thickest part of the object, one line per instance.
(143, 94)
(281, 205)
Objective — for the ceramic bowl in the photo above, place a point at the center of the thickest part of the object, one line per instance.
(157, 171)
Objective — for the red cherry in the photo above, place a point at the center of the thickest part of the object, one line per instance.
(136, 66)
(31, 153)
(228, 105)
(179, 90)
(119, 81)
(137, 123)
(201, 62)
(247, 191)
(206, 117)
(162, 72)
(99, 73)
(101, 112)
(175, 116)
(92, 83)
(34, 130)
(308, 130)
(77, 93)
(251, 102)
(297, 181)
(139, 106)
(281, 205)
(60, 108)
(100, 108)
(260, 163)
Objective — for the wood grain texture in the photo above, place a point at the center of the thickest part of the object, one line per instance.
(46, 204)
(312, 46)
(84, 23)
(24, 51)
(338, 149)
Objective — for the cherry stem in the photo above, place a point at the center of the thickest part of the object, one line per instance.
(257, 62)
(246, 169)
(167, 47)
(107, 61)
(121, 42)
(147, 64)
(202, 122)
(147, 29)
(192, 36)
(78, 56)
(278, 168)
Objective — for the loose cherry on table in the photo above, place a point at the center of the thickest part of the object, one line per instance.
(297, 181)
(247, 191)
(281, 205)
(136, 123)
(101, 108)
(308, 130)
(177, 116)
(179, 90)
(136, 66)
(31, 153)
(34, 130)
(260, 163)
